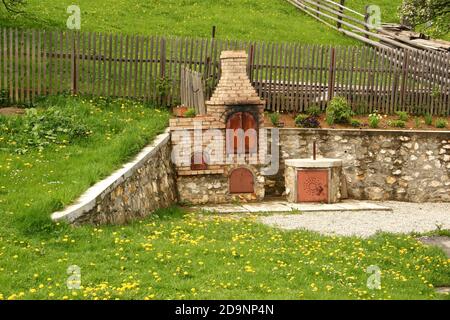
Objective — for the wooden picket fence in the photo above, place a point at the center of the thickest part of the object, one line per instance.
(192, 91)
(289, 76)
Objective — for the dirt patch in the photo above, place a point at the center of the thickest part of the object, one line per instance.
(288, 121)
(11, 111)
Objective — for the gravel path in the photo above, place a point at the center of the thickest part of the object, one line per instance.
(405, 218)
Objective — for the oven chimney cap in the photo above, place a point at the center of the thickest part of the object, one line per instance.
(233, 55)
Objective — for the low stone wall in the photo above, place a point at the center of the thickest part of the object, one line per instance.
(136, 190)
(377, 164)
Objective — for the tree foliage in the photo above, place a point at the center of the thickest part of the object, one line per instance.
(431, 15)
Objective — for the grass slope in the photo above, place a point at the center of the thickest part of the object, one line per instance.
(273, 20)
(36, 183)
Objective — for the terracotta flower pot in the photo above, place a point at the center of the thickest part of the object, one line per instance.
(179, 111)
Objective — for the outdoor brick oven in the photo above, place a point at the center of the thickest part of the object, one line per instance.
(218, 156)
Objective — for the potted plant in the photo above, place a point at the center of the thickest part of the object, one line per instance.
(179, 111)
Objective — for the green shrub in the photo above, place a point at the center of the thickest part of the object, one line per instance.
(338, 111)
(402, 115)
(441, 123)
(307, 121)
(314, 111)
(37, 130)
(374, 120)
(397, 123)
(355, 123)
(274, 118)
(428, 119)
(190, 113)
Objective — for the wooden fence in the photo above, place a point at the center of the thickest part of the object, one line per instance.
(192, 91)
(289, 76)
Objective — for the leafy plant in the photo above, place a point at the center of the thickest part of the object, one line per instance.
(441, 123)
(4, 99)
(338, 111)
(274, 118)
(428, 119)
(307, 121)
(374, 120)
(314, 111)
(190, 113)
(355, 123)
(37, 130)
(163, 86)
(397, 123)
(417, 122)
(402, 115)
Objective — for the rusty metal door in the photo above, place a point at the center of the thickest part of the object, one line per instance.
(241, 181)
(312, 186)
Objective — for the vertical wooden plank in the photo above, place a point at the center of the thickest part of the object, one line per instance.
(11, 69)
(405, 64)
(119, 76)
(23, 66)
(32, 65)
(98, 82)
(125, 66)
(113, 65)
(5, 59)
(106, 62)
(94, 64)
(16, 87)
(136, 66)
(141, 67)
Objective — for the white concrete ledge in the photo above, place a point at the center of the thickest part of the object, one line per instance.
(310, 163)
(88, 200)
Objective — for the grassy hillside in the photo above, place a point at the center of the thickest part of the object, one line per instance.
(274, 20)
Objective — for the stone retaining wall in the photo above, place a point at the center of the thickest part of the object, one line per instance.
(136, 190)
(377, 165)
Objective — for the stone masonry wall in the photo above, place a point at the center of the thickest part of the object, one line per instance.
(377, 165)
(136, 190)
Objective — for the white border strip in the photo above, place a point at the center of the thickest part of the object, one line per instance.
(88, 200)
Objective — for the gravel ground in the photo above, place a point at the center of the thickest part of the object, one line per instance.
(405, 218)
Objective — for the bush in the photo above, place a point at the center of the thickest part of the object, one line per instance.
(441, 123)
(374, 120)
(314, 111)
(37, 130)
(402, 115)
(274, 118)
(307, 121)
(428, 119)
(190, 113)
(397, 123)
(338, 111)
(355, 123)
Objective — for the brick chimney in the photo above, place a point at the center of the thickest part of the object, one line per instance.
(234, 88)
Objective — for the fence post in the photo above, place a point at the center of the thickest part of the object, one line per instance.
(331, 74)
(341, 11)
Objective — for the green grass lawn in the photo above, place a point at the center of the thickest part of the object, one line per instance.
(51, 155)
(272, 20)
(49, 158)
(174, 256)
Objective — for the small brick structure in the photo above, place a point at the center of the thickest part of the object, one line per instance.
(309, 180)
(219, 155)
